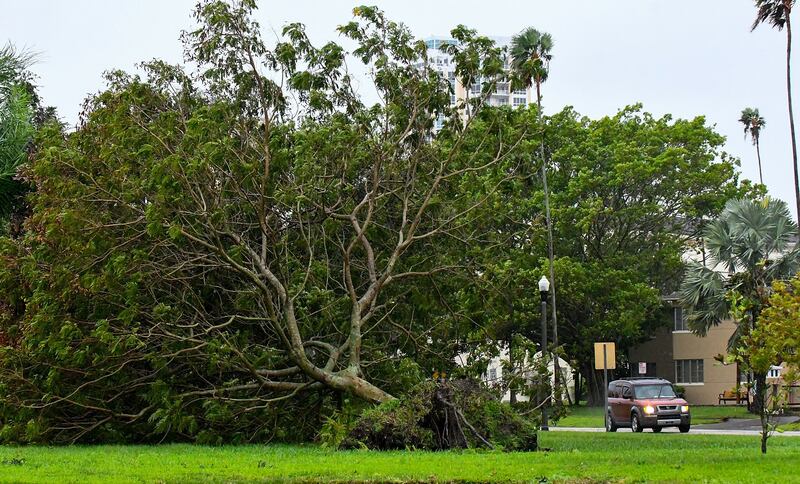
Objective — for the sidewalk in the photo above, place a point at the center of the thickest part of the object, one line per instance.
(745, 423)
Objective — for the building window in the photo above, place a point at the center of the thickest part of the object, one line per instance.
(438, 122)
(774, 372)
(501, 101)
(680, 319)
(475, 88)
(519, 91)
(519, 101)
(492, 374)
(688, 371)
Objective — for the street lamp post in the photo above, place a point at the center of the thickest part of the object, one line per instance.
(544, 288)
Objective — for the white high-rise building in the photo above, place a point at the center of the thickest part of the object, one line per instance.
(503, 95)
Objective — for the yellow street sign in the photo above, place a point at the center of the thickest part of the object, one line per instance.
(610, 356)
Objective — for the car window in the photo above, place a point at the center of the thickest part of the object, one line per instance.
(655, 391)
(612, 390)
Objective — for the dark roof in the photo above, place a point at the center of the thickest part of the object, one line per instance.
(648, 380)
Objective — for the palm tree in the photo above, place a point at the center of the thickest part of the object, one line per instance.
(530, 61)
(21, 114)
(530, 58)
(748, 249)
(778, 14)
(16, 124)
(753, 124)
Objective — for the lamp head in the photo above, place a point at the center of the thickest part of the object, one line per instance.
(544, 284)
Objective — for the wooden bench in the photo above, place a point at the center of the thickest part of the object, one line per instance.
(731, 396)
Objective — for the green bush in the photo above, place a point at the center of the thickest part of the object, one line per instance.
(395, 424)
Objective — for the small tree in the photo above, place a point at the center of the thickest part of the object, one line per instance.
(780, 328)
(773, 342)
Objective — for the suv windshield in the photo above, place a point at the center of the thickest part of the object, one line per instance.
(654, 391)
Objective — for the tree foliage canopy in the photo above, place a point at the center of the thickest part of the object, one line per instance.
(630, 193)
(207, 246)
(777, 337)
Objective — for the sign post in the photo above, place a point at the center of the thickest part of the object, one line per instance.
(605, 359)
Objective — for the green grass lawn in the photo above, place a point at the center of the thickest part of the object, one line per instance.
(593, 416)
(576, 457)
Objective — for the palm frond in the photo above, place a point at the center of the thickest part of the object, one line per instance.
(14, 64)
(784, 267)
(750, 239)
(773, 12)
(783, 224)
(530, 55)
(703, 292)
(753, 122)
(753, 230)
(748, 232)
(719, 241)
(16, 131)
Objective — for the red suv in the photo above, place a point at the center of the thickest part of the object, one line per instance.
(645, 403)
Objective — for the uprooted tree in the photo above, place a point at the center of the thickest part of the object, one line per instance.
(208, 244)
(444, 415)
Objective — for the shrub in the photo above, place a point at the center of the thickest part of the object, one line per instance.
(444, 415)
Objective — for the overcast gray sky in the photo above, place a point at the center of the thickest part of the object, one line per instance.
(685, 57)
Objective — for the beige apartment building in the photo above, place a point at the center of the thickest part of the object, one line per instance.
(697, 363)
(694, 362)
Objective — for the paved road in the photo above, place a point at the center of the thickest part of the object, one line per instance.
(731, 427)
(694, 431)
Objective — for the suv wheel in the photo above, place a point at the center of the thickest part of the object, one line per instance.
(656, 429)
(610, 425)
(684, 428)
(636, 426)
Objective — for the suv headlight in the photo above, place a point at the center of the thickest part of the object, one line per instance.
(649, 410)
(685, 408)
